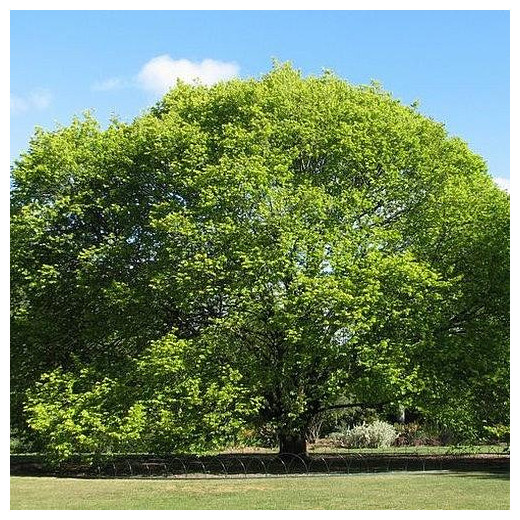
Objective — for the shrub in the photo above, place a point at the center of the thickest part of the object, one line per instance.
(407, 434)
(18, 444)
(497, 433)
(378, 434)
(341, 419)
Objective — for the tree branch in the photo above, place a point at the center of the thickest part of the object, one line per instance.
(352, 405)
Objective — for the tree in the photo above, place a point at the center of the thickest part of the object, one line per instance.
(322, 238)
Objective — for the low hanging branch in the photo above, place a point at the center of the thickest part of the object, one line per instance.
(352, 405)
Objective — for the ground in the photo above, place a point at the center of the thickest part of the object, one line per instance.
(391, 490)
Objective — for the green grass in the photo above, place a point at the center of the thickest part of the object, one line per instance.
(417, 450)
(428, 490)
(496, 449)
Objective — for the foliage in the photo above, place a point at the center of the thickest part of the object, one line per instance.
(378, 434)
(166, 402)
(498, 432)
(407, 433)
(338, 419)
(19, 442)
(313, 238)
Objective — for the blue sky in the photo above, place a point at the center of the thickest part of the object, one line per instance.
(119, 62)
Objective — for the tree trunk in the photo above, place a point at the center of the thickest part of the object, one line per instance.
(402, 414)
(292, 443)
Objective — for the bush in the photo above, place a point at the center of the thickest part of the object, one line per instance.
(379, 434)
(20, 442)
(340, 420)
(497, 433)
(408, 434)
(17, 445)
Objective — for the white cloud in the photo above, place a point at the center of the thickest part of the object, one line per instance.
(161, 73)
(37, 99)
(18, 104)
(40, 100)
(502, 182)
(108, 84)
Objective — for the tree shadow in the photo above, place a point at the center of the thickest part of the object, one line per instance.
(236, 465)
(493, 475)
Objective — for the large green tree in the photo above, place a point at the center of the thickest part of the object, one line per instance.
(317, 238)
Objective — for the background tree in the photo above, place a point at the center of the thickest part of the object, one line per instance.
(323, 239)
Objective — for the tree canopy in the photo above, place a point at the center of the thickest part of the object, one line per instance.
(254, 252)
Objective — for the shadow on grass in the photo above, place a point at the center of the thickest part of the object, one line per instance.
(251, 465)
(501, 475)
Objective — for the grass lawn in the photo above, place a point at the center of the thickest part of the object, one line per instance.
(415, 450)
(428, 490)
(497, 449)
